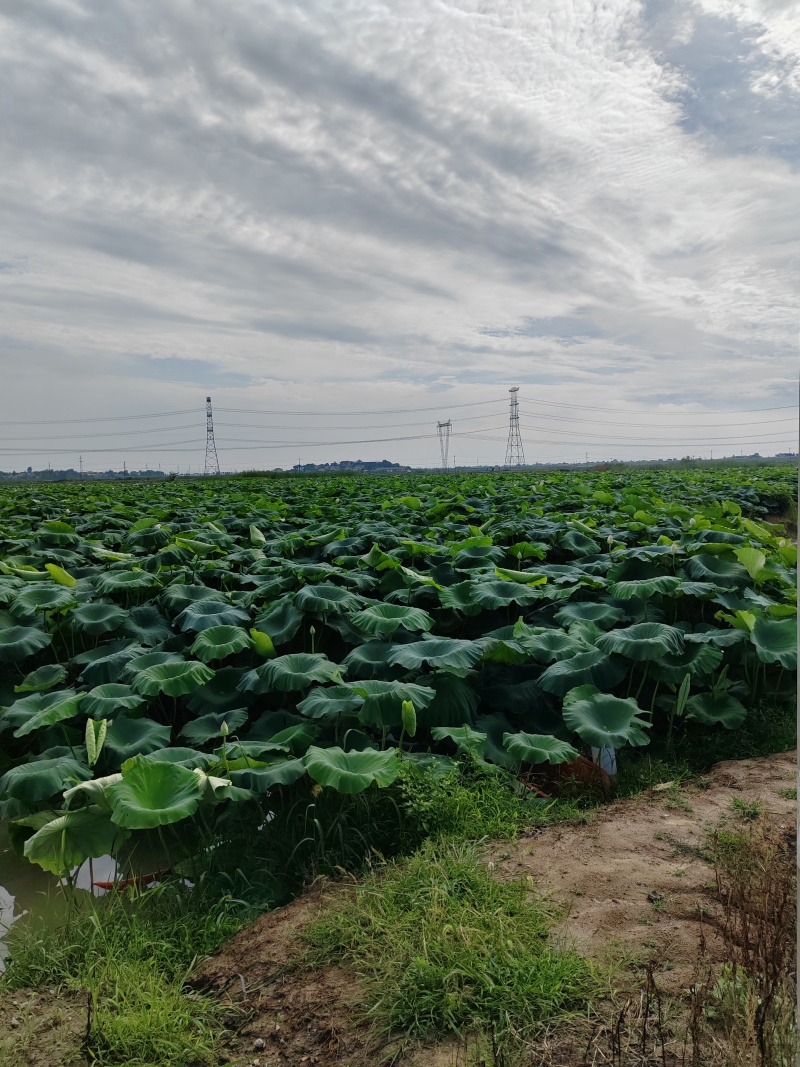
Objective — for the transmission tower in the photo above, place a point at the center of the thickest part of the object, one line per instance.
(444, 429)
(212, 463)
(515, 457)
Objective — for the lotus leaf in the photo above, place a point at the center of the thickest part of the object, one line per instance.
(207, 614)
(219, 642)
(325, 599)
(292, 673)
(593, 667)
(45, 709)
(330, 703)
(110, 699)
(42, 678)
(443, 652)
(712, 708)
(129, 737)
(20, 642)
(71, 838)
(153, 794)
(603, 720)
(208, 726)
(383, 619)
(174, 679)
(35, 782)
(643, 641)
(97, 617)
(539, 748)
(775, 641)
(352, 772)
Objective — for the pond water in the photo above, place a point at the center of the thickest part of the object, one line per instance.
(25, 889)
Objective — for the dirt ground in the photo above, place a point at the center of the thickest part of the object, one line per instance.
(634, 887)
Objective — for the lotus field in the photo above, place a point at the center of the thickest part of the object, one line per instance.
(170, 650)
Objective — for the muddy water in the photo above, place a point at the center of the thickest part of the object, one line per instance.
(26, 889)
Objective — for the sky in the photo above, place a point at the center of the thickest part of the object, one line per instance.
(346, 221)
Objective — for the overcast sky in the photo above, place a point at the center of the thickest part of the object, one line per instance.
(398, 210)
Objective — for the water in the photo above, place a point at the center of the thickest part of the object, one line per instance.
(25, 889)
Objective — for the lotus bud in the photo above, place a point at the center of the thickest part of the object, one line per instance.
(673, 549)
(224, 729)
(610, 539)
(693, 522)
(312, 630)
(782, 543)
(409, 717)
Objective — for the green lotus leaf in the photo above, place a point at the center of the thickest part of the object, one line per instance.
(775, 641)
(187, 757)
(496, 650)
(460, 597)
(106, 662)
(593, 667)
(207, 726)
(281, 622)
(173, 679)
(549, 645)
(352, 772)
(601, 614)
(111, 582)
(644, 587)
(539, 748)
(705, 567)
(699, 660)
(153, 794)
(371, 660)
(437, 652)
(478, 556)
(331, 702)
(208, 614)
(383, 701)
(289, 674)
(327, 599)
(41, 779)
(295, 738)
(110, 699)
(643, 641)
(46, 709)
(93, 791)
(42, 678)
(59, 575)
(463, 737)
(578, 543)
(179, 595)
(97, 617)
(712, 708)
(382, 620)
(262, 778)
(603, 720)
(129, 737)
(721, 638)
(147, 625)
(493, 593)
(20, 642)
(35, 598)
(73, 837)
(219, 642)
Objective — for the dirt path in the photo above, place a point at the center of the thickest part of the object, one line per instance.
(635, 885)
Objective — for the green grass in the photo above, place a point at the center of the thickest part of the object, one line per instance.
(132, 955)
(442, 946)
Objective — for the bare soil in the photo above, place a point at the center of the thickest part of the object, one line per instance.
(634, 888)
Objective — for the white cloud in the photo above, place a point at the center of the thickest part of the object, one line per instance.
(347, 206)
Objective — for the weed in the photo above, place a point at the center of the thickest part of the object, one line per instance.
(788, 794)
(747, 809)
(442, 946)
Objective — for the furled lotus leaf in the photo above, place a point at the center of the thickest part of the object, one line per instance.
(112, 582)
(42, 678)
(40, 597)
(93, 791)
(219, 642)
(326, 599)
(289, 674)
(72, 837)
(331, 702)
(383, 619)
(441, 652)
(593, 667)
(42, 778)
(97, 617)
(711, 708)
(281, 621)
(643, 641)
(539, 748)
(601, 614)
(207, 726)
(383, 701)
(775, 641)
(205, 614)
(45, 709)
(153, 794)
(174, 679)
(129, 737)
(603, 720)
(352, 772)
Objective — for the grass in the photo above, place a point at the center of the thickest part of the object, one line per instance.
(441, 946)
(131, 954)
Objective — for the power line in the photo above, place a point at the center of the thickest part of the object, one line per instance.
(105, 418)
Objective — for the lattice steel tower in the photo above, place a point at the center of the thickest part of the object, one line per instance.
(515, 457)
(444, 429)
(212, 463)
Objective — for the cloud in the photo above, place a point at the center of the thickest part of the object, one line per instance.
(342, 207)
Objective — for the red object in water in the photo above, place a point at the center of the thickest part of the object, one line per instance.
(139, 880)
